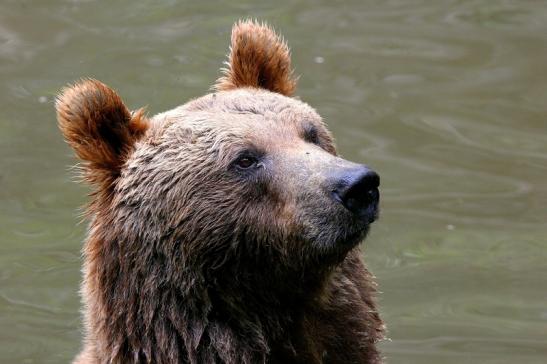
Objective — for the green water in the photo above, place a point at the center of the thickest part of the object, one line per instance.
(446, 99)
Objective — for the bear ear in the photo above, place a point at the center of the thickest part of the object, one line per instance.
(99, 127)
(258, 58)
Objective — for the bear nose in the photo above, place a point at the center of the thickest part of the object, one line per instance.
(357, 190)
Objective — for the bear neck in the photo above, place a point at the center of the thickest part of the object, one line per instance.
(147, 306)
(254, 289)
(255, 297)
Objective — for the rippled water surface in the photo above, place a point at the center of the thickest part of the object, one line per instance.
(446, 99)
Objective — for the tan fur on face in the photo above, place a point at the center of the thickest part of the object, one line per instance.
(258, 58)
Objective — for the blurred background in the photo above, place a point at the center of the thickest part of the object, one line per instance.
(446, 99)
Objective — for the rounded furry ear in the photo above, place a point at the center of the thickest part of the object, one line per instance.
(99, 127)
(258, 58)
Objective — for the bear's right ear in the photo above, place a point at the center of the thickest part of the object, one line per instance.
(99, 127)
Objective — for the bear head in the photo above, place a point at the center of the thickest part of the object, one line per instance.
(240, 185)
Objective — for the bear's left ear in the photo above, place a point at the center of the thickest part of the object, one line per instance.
(258, 58)
(99, 127)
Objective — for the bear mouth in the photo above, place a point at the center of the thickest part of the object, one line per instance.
(357, 226)
(352, 239)
(346, 233)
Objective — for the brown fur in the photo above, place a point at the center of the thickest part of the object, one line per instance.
(190, 260)
(100, 129)
(258, 58)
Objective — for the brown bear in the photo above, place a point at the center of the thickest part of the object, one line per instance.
(225, 230)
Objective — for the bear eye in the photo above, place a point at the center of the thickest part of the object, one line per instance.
(245, 162)
(311, 135)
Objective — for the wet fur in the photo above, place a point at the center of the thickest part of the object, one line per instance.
(182, 265)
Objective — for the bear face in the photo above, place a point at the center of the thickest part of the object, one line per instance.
(223, 217)
(267, 165)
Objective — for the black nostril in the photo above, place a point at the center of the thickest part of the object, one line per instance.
(358, 191)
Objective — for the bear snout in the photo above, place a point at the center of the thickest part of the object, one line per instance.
(357, 190)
